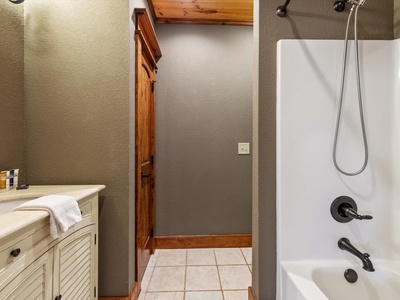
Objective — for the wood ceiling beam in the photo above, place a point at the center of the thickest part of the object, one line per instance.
(217, 12)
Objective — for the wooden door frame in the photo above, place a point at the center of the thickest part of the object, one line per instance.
(144, 29)
(146, 42)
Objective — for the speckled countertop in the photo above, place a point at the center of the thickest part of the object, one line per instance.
(14, 221)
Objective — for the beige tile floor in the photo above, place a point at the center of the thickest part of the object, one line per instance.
(198, 274)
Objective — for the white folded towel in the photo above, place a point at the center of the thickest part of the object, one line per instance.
(63, 210)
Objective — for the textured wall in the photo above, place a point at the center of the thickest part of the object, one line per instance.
(203, 109)
(316, 20)
(396, 18)
(77, 113)
(12, 153)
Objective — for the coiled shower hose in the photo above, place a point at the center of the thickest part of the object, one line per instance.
(360, 104)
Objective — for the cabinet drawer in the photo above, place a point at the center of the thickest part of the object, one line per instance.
(88, 209)
(19, 248)
(23, 249)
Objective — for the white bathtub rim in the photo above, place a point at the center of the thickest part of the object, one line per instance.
(302, 279)
(301, 274)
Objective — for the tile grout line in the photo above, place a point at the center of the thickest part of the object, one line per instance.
(148, 285)
(244, 256)
(248, 264)
(151, 275)
(154, 269)
(219, 276)
(184, 284)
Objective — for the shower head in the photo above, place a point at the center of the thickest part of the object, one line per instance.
(340, 5)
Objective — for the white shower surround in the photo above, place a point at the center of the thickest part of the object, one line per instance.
(309, 74)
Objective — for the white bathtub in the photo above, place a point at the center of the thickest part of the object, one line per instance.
(324, 280)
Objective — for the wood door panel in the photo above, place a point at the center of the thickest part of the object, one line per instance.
(144, 169)
(145, 72)
(144, 118)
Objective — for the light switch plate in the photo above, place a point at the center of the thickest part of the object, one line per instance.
(244, 148)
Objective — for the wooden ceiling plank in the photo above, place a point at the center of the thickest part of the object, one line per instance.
(226, 2)
(203, 11)
(187, 13)
(204, 22)
(218, 6)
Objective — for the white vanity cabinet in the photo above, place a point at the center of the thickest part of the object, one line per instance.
(48, 269)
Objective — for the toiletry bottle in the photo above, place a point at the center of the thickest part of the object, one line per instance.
(3, 181)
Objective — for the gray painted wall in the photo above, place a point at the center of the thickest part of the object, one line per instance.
(77, 114)
(203, 109)
(316, 20)
(12, 151)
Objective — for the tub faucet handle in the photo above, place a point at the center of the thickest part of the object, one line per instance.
(351, 213)
(344, 209)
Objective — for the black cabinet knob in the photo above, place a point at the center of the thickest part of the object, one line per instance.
(15, 252)
(58, 297)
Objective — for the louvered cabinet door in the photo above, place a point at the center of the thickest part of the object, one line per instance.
(33, 283)
(74, 266)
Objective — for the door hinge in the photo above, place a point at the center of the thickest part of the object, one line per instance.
(152, 232)
(95, 292)
(153, 83)
(152, 159)
(95, 239)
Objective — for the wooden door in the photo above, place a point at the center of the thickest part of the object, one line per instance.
(147, 54)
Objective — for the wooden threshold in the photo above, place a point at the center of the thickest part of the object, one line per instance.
(133, 295)
(203, 241)
(252, 295)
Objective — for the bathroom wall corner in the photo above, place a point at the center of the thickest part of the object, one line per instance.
(396, 18)
(255, 183)
(12, 132)
(132, 210)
